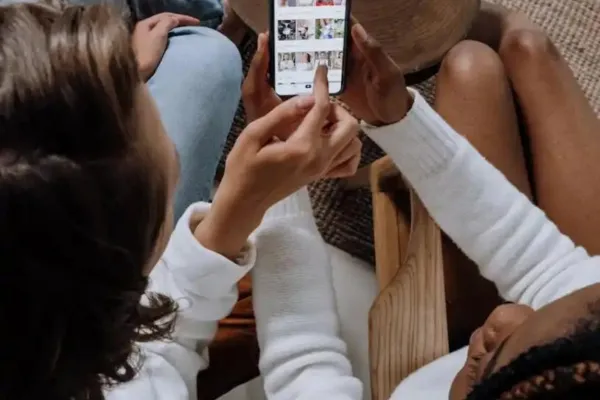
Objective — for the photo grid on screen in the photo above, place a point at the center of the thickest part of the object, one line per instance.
(309, 33)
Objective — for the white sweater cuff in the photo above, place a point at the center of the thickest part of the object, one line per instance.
(422, 144)
(296, 205)
(201, 281)
(199, 269)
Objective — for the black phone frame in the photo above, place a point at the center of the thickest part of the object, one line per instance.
(273, 56)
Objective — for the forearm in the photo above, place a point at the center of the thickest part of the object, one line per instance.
(302, 354)
(200, 279)
(512, 241)
(225, 228)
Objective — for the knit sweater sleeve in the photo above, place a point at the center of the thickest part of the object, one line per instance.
(203, 283)
(513, 242)
(302, 354)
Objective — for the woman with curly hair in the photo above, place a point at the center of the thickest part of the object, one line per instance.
(466, 161)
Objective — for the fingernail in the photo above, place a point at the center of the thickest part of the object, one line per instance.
(361, 33)
(262, 40)
(322, 69)
(305, 102)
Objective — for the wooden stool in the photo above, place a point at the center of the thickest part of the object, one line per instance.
(416, 33)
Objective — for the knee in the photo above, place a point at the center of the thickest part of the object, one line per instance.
(471, 63)
(526, 44)
(215, 57)
(204, 59)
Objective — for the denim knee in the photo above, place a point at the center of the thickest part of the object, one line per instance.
(211, 60)
(197, 88)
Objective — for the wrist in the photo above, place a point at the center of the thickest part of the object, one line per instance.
(225, 230)
(145, 74)
(145, 69)
(400, 109)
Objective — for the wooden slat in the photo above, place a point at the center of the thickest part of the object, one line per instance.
(387, 223)
(384, 172)
(407, 323)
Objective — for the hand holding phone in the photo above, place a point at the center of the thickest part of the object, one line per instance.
(376, 91)
(260, 99)
(305, 34)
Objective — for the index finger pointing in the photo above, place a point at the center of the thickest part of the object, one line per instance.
(321, 84)
(312, 125)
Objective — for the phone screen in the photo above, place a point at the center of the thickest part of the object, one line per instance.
(305, 34)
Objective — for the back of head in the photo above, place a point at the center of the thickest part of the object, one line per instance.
(565, 369)
(81, 205)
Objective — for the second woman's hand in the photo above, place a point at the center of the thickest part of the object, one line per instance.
(376, 91)
(150, 37)
(269, 162)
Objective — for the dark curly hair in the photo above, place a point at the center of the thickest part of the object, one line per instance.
(568, 368)
(81, 206)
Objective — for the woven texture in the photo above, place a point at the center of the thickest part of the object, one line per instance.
(345, 217)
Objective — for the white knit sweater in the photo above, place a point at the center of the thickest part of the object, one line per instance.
(302, 355)
(512, 241)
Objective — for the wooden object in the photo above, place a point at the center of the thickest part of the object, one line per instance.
(416, 33)
(407, 323)
(388, 222)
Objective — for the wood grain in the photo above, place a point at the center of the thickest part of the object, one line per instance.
(407, 323)
(388, 222)
(386, 176)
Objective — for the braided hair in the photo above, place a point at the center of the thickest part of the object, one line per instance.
(568, 368)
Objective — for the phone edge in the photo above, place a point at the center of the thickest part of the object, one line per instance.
(272, 44)
(346, 48)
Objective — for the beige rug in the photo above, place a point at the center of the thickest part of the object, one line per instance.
(344, 217)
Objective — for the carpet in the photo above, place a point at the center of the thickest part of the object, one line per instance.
(344, 217)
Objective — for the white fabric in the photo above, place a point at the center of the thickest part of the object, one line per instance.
(302, 354)
(204, 285)
(298, 332)
(355, 288)
(512, 241)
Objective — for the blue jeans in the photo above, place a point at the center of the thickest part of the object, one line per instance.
(197, 88)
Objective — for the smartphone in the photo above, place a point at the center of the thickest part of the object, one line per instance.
(305, 34)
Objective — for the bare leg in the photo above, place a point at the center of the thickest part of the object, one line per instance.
(474, 96)
(563, 131)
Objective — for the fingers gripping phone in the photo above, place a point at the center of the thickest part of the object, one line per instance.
(305, 34)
